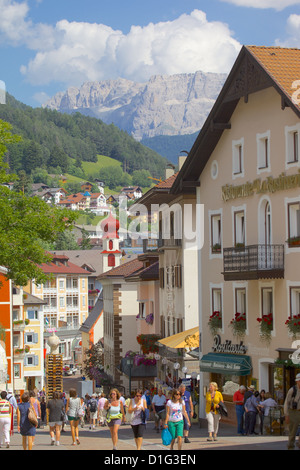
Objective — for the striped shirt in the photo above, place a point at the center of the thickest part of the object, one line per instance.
(4, 409)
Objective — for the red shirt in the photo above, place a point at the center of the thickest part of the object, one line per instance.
(238, 398)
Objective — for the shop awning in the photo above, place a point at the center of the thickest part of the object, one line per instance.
(185, 339)
(226, 364)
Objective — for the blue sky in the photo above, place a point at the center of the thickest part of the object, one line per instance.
(47, 46)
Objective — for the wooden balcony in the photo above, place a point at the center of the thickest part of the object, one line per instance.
(253, 262)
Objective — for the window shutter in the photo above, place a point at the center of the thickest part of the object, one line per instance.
(161, 278)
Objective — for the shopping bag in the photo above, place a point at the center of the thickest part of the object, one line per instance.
(166, 437)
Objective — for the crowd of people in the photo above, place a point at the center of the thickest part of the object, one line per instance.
(252, 406)
(173, 411)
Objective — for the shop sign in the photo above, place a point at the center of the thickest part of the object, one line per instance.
(228, 347)
(269, 185)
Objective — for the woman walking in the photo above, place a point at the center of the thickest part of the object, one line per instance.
(72, 407)
(175, 411)
(5, 419)
(37, 408)
(137, 406)
(55, 409)
(115, 415)
(213, 398)
(25, 428)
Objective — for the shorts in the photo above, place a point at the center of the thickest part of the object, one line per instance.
(176, 428)
(55, 423)
(73, 418)
(94, 415)
(113, 422)
(138, 430)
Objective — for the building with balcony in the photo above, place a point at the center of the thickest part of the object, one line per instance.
(247, 167)
(66, 307)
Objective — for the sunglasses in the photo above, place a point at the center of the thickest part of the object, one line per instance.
(138, 395)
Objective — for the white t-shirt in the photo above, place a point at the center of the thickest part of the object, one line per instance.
(267, 404)
(159, 401)
(175, 414)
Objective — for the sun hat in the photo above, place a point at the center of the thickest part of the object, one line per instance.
(297, 378)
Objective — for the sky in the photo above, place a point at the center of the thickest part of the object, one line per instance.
(47, 46)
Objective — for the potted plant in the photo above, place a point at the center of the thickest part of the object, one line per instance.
(293, 325)
(239, 246)
(294, 241)
(150, 319)
(266, 327)
(215, 322)
(216, 248)
(238, 325)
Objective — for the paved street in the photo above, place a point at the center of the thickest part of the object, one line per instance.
(99, 439)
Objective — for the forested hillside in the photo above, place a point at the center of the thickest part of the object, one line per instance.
(54, 140)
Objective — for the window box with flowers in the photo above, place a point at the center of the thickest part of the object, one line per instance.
(150, 319)
(293, 326)
(293, 241)
(148, 343)
(238, 325)
(266, 327)
(215, 322)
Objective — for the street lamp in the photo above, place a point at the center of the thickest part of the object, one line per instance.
(129, 362)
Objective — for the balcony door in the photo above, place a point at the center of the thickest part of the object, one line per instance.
(265, 236)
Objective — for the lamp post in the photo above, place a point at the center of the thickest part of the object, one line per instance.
(129, 362)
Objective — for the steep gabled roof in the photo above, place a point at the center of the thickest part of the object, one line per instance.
(255, 69)
(123, 270)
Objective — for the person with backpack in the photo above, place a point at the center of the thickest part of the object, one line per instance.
(93, 408)
(292, 411)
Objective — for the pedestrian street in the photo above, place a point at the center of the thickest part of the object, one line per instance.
(99, 439)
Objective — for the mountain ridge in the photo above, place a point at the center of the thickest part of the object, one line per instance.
(164, 105)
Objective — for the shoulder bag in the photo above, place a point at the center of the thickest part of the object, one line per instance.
(32, 416)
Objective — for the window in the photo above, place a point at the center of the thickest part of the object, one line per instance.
(61, 284)
(111, 260)
(238, 157)
(178, 276)
(263, 151)
(294, 224)
(142, 310)
(240, 301)
(266, 301)
(31, 338)
(110, 245)
(294, 301)
(216, 234)
(292, 144)
(239, 228)
(32, 315)
(161, 278)
(217, 301)
(61, 301)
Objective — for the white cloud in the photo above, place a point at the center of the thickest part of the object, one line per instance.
(276, 4)
(293, 33)
(74, 52)
(83, 51)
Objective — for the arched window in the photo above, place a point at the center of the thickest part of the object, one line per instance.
(111, 261)
(110, 244)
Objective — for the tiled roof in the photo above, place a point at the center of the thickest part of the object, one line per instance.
(64, 267)
(281, 64)
(168, 183)
(124, 270)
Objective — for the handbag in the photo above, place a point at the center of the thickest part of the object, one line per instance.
(166, 437)
(145, 415)
(32, 416)
(222, 409)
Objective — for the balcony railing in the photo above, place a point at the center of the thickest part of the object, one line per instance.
(253, 262)
(170, 243)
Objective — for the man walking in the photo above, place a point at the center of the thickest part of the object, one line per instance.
(238, 400)
(292, 411)
(186, 396)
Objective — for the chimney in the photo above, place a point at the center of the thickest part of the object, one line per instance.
(181, 160)
(170, 170)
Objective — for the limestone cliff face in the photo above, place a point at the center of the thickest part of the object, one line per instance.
(165, 105)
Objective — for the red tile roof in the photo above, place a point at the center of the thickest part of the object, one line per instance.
(124, 270)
